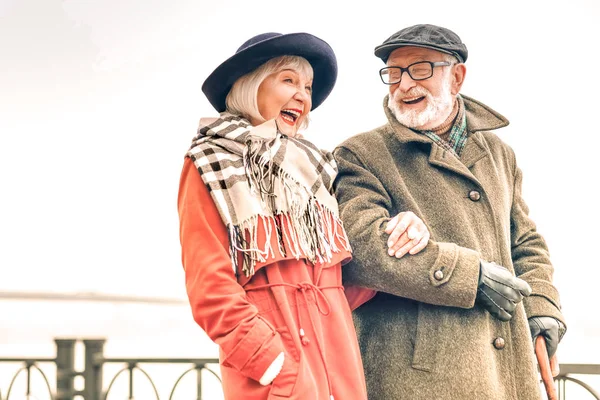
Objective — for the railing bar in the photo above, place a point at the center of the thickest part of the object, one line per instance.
(584, 385)
(566, 372)
(583, 369)
(29, 360)
(131, 367)
(28, 380)
(160, 360)
(199, 382)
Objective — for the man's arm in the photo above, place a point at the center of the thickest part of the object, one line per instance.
(531, 259)
(441, 274)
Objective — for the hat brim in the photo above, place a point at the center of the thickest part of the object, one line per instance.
(384, 51)
(316, 51)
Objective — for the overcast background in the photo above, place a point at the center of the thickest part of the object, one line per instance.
(99, 101)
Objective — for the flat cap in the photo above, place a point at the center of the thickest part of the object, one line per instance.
(424, 35)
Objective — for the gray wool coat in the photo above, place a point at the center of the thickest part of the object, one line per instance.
(422, 336)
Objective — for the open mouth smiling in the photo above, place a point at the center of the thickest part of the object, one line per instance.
(290, 115)
(414, 100)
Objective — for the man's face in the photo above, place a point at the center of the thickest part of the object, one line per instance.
(423, 104)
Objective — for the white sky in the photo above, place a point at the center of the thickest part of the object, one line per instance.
(100, 99)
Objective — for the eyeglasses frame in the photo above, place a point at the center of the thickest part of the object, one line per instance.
(403, 70)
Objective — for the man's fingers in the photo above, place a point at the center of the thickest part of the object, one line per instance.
(502, 315)
(497, 300)
(551, 344)
(523, 287)
(494, 304)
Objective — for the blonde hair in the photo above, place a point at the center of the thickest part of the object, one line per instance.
(241, 99)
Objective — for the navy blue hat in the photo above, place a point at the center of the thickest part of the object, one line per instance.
(260, 49)
(424, 35)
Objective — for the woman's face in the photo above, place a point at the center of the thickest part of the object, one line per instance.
(286, 97)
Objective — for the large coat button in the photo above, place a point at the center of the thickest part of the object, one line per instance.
(439, 275)
(499, 343)
(474, 195)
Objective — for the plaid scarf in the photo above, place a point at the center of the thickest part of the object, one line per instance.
(458, 133)
(257, 175)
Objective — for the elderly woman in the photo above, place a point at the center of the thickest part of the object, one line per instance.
(262, 243)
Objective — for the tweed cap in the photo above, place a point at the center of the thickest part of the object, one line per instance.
(424, 35)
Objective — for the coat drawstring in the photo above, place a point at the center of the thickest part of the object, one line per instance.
(323, 307)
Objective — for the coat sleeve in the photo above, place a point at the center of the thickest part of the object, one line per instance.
(531, 259)
(218, 303)
(441, 274)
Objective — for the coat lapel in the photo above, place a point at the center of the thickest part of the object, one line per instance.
(443, 158)
(473, 151)
(479, 118)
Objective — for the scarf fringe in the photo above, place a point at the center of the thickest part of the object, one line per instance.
(314, 235)
(312, 227)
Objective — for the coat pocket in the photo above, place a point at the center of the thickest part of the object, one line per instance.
(428, 339)
(284, 383)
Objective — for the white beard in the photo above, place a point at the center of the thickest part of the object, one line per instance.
(438, 108)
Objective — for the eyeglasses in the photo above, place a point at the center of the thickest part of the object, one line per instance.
(417, 71)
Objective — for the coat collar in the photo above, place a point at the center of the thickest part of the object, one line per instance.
(479, 118)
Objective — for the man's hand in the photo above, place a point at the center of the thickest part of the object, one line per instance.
(499, 290)
(549, 328)
(408, 234)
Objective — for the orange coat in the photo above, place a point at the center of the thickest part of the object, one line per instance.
(288, 306)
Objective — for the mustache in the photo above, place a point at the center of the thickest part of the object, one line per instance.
(416, 91)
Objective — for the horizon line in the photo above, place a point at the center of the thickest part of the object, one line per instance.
(87, 296)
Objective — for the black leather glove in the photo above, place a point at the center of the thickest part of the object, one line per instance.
(550, 328)
(499, 290)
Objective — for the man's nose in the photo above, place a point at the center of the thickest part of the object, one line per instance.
(406, 82)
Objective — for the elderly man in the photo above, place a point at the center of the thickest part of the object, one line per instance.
(455, 321)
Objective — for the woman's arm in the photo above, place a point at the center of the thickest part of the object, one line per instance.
(218, 303)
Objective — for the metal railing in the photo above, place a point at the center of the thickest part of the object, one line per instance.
(93, 372)
(95, 363)
(566, 372)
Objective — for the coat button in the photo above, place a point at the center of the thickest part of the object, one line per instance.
(474, 195)
(499, 343)
(439, 275)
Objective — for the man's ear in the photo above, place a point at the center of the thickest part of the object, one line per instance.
(458, 77)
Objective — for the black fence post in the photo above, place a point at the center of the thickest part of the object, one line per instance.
(94, 359)
(65, 369)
